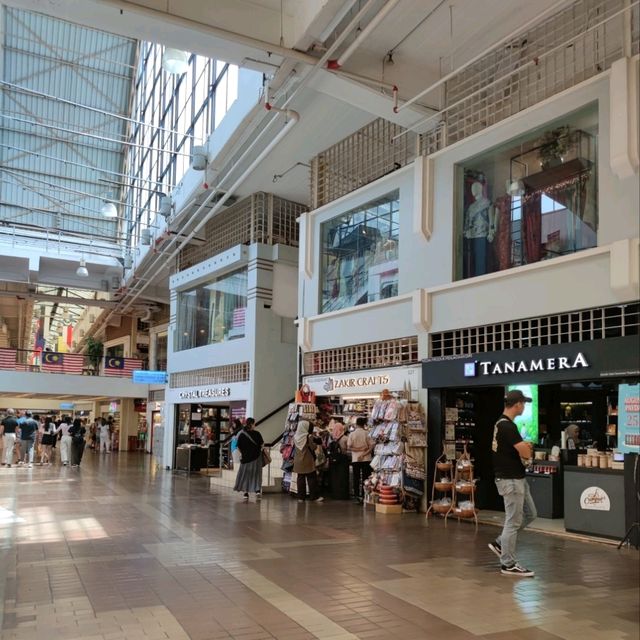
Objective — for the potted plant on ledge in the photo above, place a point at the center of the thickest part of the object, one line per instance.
(95, 351)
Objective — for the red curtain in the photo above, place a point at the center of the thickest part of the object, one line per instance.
(502, 241)
(531, 228)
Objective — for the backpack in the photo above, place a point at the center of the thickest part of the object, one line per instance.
(335, 452)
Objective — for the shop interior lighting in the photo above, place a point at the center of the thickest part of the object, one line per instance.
(175, 61)
(82, 270)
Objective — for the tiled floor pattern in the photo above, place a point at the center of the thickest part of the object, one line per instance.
(120, 551)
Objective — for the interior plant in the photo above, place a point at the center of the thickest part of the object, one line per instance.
(95, 351)
(553, 145)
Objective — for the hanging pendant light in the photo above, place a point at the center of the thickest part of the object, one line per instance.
(108, 209)
(175, 61)
(82, 270)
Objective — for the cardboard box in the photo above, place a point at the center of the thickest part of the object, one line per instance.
(388, 508)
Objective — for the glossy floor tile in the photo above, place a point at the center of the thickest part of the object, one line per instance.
(119, 550)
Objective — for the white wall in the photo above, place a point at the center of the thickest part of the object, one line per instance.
(605, 275)
(64, 384)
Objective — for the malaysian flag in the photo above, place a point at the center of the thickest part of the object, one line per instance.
(121, 367)
(62, 362)
(8, 359)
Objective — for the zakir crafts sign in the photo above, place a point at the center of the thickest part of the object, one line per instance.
(629, 418)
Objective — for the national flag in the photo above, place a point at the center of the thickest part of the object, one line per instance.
(121, 367)
(8, 359)
(39, 341)
(54, 362)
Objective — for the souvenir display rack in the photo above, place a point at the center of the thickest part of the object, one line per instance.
(464, 490)
(443, 487)
(397, 426)
(297, 411)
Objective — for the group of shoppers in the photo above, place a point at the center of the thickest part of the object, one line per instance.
(23, 439)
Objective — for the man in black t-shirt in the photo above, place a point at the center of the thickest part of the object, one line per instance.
(28, 430)
(9, 426)
(519, 509)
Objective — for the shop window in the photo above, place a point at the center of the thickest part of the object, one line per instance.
(359, 255)
(532, 199)
(213, 312)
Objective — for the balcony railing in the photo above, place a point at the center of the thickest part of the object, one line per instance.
(68, 363)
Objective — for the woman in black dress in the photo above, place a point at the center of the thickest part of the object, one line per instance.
(77, 433)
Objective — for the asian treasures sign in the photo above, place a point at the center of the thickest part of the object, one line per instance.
(590, 360)
(369, 381)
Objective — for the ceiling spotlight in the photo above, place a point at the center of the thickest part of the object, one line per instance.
(175, 61)
(82, 270)
(109, 210)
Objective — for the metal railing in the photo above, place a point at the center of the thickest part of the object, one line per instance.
(36, 361)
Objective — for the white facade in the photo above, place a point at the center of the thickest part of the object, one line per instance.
(268, 344)
(429, 298)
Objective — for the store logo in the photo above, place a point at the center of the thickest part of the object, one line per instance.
(470, 370)
(595, 499)
(347, 383)
(489, 368)
(197, 394)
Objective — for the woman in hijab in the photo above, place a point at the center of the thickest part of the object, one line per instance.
(573, 436)
(338, 462)
(304, 462)
(77, 433)
(249, 478)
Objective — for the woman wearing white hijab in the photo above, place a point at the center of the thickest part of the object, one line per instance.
(304, 462)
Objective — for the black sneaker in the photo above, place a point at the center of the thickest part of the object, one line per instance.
(496, 547)
(516, 570)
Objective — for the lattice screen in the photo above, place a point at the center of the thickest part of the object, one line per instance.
(225, 374)
(590, 324)
(574, 44)
(362, 356)
(359, 159)
(261, 217)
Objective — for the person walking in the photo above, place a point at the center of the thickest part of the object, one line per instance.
(65, 440)
(77, 432)
(47, 440)
(249, 478)
(360, 444)
(304, 462)
(509, 449)
(28, 431)
(9, 427)
(105, 436)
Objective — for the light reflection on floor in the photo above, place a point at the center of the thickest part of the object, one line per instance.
(41, 524)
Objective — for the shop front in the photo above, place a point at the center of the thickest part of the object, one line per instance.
(388, 400)
(581, 447)
(203, 421)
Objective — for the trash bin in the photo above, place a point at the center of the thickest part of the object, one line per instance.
(132, 443)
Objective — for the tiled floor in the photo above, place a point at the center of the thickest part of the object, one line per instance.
(118, 551)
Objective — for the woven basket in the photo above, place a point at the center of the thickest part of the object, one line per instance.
(443, 466)
(443, 486)
(441, 508)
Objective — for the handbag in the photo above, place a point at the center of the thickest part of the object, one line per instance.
(266, 457)
(304, 395)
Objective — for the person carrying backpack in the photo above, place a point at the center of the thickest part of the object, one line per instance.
(338, 462)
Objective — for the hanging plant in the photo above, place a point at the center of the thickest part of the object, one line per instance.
(553, 145)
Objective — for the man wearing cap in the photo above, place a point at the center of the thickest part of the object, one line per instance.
(519, 509)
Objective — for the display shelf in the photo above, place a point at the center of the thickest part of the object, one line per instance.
(442, 488)
(464, 490)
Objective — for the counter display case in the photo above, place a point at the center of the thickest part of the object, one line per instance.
(594, 501)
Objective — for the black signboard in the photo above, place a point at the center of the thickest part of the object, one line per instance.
(590, 360)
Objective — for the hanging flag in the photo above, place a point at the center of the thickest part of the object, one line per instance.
(7, 359)
(39, 341)
(54, 362)
(121, 367)
(69, 335)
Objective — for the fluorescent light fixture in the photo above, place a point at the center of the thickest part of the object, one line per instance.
(175, 61)
(82, 270)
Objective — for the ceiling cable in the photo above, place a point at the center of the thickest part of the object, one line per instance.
(390, 52)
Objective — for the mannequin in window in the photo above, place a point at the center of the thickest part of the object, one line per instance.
(479, 231)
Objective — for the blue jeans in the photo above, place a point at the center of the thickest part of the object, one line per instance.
(519, 512)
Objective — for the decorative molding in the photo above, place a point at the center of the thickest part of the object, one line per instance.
(423, 172)
(623, 114)
(304, 334)
(421, 310)
(623, 271)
